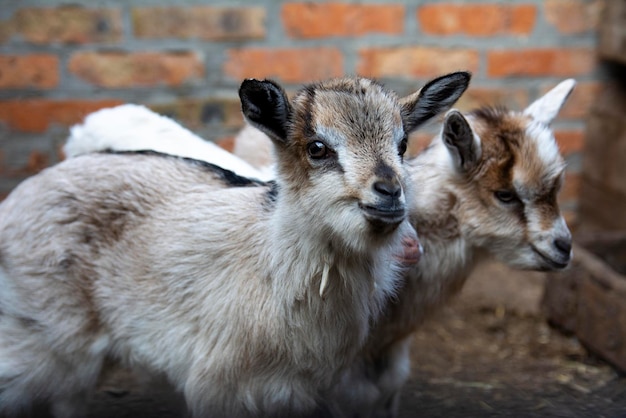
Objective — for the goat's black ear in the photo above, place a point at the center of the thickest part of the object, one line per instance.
(266, 106)
(459, 138)
(436, 96)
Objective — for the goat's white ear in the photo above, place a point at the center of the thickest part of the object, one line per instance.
(545, 108)
(265, 106)
(459, 138)
(438, 95)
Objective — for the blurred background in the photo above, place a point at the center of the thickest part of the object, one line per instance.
(490, 353)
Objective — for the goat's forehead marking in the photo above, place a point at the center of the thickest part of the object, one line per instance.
(540, 165)
(541, 137)
(525, 151)
(357, 107)
(357, 121)
(537, 186)
(372, 104)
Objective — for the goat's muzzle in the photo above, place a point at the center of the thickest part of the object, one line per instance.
(384, 216)
(384, 209)
(556, 260)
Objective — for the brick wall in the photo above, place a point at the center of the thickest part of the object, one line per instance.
(61, 60)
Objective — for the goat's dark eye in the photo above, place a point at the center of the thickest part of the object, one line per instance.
(506, 196)
(317, 150)
(402, 147)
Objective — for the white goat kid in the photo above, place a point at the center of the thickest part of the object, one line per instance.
(249, 299)
(485, 187)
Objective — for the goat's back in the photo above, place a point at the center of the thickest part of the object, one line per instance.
(104, 215)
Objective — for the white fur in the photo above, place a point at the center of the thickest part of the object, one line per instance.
(545, 109)
(547, 147)
(542, 112)
(448, 260)
(171, 298)
(252, 146)
(132, 127)
(160, 263)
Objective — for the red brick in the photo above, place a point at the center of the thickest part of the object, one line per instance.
(33, 163)
(573, 16)
(197, 113)
(227, 143)
(571, 188)
(37, 161)
(289, 65)
(415, 61)
(570, 141)
(476, 19)
(60, 153)
(540, 62)
(36, 115)
(29, 71)
(200, 22)
(476, 97)
(418, 141)
(68, 24)
(122, 69)
(579, 102)
(318, 20)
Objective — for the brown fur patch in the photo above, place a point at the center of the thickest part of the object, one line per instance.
(506, 147)
(109, 221)
(445, 227)
(504, 143)
(547, 206)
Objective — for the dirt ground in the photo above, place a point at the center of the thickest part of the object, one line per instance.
(490, 353)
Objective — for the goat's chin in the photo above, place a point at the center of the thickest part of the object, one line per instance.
(382, 222)
(382, 227)
(351, 229)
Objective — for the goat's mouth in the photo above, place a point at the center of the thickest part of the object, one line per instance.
(551, 263)
(383, 216)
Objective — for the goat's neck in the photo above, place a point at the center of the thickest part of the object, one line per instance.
(306, 251)
(448, 257)
(436, 215)
(350, 301)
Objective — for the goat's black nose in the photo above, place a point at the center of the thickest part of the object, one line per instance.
(388, 188)
(563, 244)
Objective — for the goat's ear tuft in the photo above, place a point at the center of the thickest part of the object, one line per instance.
(459, 138)
(545, 108)
(436, 96)
(265, 106)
